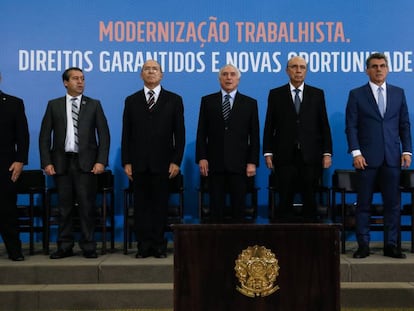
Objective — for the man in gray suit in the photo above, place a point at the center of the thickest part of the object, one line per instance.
(74, 145)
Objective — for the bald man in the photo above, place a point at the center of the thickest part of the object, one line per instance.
(297, 143)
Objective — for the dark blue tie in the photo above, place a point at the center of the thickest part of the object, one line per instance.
(297, 100)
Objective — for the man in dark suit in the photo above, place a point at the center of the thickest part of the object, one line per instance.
(297, 141)
(153, 140)
(14, 137)
(74, 145)
(228, 145)
(379, 138)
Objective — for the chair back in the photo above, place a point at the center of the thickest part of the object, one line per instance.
(176, 184)
(407, 179)
(105, 181)
(345, 180)
(31, 181)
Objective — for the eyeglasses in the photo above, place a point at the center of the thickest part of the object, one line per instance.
(296, 67)
(155, 69)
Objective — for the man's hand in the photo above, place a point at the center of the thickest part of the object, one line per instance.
(173, 170)
(16, 168)
(359, 162)
(50, 170)
(269, 161)
(98, 168)
(326, 161)
(203, 165)
(406, 160)
(128, 171)
(250, 169)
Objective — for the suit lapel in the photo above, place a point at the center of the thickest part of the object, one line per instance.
(371, 99)
(83, 107)
(236, 105)
(158, 104)
(289, 100)
(306, 98)
(62, 108)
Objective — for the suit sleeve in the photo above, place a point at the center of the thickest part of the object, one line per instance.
(103, 135)
(326, 129)
(201, 140)
(45, 140)
(179, 132)
(268, 132)
(405, 128)
(253, 156)
(126, 137)
(351, 122)
(22, 135)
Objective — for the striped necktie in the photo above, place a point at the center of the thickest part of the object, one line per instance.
(226, 107)
(75, 118)
(151, 99)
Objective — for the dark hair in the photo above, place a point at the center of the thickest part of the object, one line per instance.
(376, 56)
(65, 75)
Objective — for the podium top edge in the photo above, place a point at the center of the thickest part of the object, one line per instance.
(277, 227)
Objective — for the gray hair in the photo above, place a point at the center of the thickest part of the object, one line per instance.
(232, 66)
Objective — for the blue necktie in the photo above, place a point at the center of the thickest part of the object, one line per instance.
(381, 102)
(297, 100)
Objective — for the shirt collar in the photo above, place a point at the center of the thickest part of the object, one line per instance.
(375, 87)
(156, 90)
(232, 93)
(69, 97)
(292, 88)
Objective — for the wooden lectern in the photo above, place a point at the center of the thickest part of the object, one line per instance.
(286, 267)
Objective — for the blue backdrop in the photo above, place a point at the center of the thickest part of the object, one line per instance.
(110, 40)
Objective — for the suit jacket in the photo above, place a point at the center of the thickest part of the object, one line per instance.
(153, 140)
(14, 133)
(379, 139)
(283, 127)
(228, 148)
(93, 132)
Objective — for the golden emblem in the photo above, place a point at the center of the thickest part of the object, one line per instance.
(257, 269)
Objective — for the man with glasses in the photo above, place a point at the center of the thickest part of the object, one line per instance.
(297, 142)
(153, 140)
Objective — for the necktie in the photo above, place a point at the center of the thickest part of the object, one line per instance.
(226, 107)
(151, 100)
(297, 100)
(381, 102)
(75, 117)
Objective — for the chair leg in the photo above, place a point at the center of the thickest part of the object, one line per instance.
(103, 220)
(31, 224)
(343, 236)
(126, 203)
